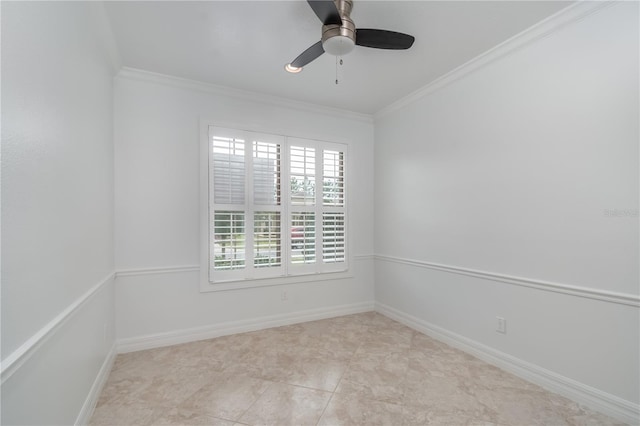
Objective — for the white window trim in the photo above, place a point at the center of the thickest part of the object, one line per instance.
(313, 276)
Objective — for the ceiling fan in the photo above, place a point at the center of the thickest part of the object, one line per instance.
(340, 36)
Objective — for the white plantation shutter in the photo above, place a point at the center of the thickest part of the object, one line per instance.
(333, 237)
(333, 178)
(333, 209)
(265, 205)
(303, 238)
(303, 164)
(277, 206)
(229, 243)
(227, 164)
(267, 246)
(266, 173)
(303, 175)
(228, 170)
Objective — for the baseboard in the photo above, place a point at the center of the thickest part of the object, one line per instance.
(96, 389)
(233, 327)
(598, 400)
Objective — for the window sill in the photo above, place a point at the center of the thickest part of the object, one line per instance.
(206, 286)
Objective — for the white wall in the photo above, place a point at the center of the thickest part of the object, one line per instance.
(157, 137)
(57, 207)
(510, 170)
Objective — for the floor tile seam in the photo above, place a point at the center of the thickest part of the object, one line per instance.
(423, 406)
(346, 368)
(325, 408)
(298, 386)
(271, 383)
(248, 376)
(401, 406)
(275, 382)
(398, 403)
(220, 418)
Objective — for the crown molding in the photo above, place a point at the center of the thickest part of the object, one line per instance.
(561, 19)
(184, 83)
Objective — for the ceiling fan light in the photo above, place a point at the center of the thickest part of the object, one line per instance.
(293, 70)
(338, 45)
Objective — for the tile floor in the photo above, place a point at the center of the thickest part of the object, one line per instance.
(363, 369)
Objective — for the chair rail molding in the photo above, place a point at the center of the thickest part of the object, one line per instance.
(17, 358)
(193, 268)
(590, 293)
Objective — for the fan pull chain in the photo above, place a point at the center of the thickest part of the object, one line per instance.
(337, 68)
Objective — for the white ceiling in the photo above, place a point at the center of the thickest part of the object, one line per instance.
(245, 44)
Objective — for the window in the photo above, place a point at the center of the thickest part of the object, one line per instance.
(277, 206)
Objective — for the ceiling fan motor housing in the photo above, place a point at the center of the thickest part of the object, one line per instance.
(339, 40)
(339, 34)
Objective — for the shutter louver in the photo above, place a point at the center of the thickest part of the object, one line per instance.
(303, 176)
(333, 237)
(266, 173)
(229, 246)
(333, 178)
(303, 238)
(228, 170)
(267, 250)
(333, 202)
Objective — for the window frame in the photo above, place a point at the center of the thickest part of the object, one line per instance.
(318, 271)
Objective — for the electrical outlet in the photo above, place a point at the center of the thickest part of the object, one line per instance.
(283, 296)
(501, 325)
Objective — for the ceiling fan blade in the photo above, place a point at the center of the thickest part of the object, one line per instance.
(326, 11)
(383, 39)
(308, 55)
